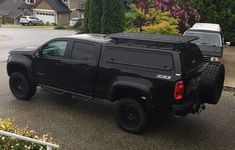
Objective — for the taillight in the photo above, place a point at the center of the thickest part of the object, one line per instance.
(179, 90)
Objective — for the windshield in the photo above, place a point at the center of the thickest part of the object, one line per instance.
(209, 39)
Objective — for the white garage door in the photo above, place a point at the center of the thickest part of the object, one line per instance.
(46, 17)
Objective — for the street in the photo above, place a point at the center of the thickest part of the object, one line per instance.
(76, 125)
(11, 38)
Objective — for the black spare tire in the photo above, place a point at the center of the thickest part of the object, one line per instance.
(212, 82)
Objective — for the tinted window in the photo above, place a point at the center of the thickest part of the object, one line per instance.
(34, 18)
(83, 50)
(209, 39)
(148, 59)
(56, 48)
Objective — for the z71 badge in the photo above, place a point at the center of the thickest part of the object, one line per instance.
(160, 76)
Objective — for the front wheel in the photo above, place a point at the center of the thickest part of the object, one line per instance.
(20, 87)
(30, 23)
(131, 115)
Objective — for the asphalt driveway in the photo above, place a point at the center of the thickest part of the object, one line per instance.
(77, 125)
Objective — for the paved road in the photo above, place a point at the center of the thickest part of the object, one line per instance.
(16, 38)
(76, 125)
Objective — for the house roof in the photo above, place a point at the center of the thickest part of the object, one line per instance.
(10, 8)
(57, 5)
(25, 6)
(4, 13)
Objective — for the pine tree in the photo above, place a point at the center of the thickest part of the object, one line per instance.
(113, 19)
(87, 8)
(95, 15)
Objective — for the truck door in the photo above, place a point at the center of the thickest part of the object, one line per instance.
(83, 66)
(50, 64)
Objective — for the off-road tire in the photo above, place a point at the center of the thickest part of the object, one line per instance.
(20, 87)
(131, 115)
(212, 82)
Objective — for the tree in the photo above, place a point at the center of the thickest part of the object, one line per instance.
(113, 19)
(151, 21)
(179, 9)
(87, 9)
(185, 13)
(218, 11)
(95, 15)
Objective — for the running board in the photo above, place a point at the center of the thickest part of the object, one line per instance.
(78, 96)
(82, 97)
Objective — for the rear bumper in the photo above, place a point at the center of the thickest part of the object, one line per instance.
(189, 106)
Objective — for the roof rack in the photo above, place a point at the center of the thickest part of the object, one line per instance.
(152, 38)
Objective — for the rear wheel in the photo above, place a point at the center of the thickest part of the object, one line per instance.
(20, 87)
(212, 83)
(131, 115)
(30, 23)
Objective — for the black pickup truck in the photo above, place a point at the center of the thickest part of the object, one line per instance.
(143, 73)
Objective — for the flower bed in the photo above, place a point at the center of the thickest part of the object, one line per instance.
(8, 143)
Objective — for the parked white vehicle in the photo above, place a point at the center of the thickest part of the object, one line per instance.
(30, 20)
(73, 21)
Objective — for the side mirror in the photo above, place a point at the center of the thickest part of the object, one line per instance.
(36, 54)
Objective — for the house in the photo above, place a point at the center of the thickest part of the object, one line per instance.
(9, 12)
(54, 11)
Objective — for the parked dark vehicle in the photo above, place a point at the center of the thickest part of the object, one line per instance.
(210, 40)
(144, 73)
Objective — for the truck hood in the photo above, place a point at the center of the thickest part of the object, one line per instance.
(23, 51)
(211, 50)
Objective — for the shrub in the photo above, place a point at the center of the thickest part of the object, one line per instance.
(47, 23)
(151, 21)
(86, 21)
(161, 28)
(113, 19)
(79, 24)
(104, 16)
(8, 143)
(182, 10)
(95, 15)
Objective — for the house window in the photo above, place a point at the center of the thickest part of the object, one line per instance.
(82, 5)
(66, 3)
(30, 1)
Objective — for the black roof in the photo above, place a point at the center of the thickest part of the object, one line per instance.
(152, 37)
(57, 5)
(10, 8)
